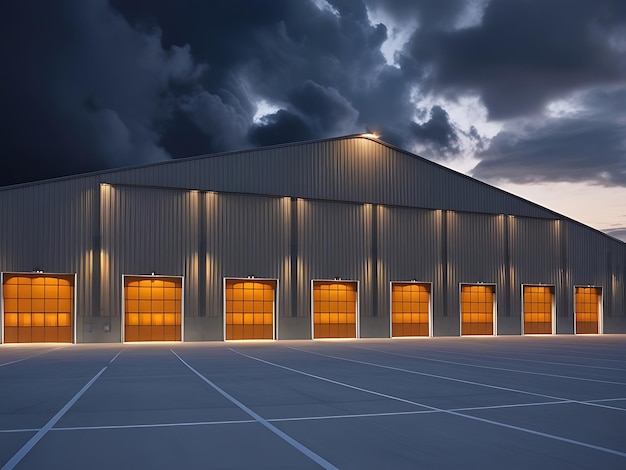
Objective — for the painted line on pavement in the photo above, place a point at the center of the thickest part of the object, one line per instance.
(453, 413)
(301, 418)
(29, 357)
(508, 358)
(503, 369)
(295, 418)
(20, 454)
(453, 379)
(305, 450)
(111, 361)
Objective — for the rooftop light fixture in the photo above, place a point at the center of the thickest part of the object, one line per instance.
(370, 135)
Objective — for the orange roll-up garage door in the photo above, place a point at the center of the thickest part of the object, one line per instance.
(410, 306)
(38, 308)
(152, 308)
(477, 309)
(538, 305)
(335, 309)
(249, 308)
(587, 309)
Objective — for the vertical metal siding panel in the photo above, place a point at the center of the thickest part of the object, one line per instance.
(45, 227)
(213, 266)
(535, 254)
(476, 246)
(409, 249)
(598, 261)
(334, 241)
(351, 169)
(189, 234)
(587, 256)
(48, 226)
(618, 250)
(249, 236)
(148, 230)
(347, 169)
(243, 223)
(476, 253)
(108, 203)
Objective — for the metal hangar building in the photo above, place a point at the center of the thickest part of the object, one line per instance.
(345, 237)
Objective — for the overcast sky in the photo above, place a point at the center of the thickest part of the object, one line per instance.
(527, 95)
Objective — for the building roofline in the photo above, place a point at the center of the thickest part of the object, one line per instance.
(299, 143)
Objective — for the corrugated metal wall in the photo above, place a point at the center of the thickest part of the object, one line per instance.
(334, 241)
(476, 254)
(410, 248)
(535, 258)
(591, 260)
(143, 231)
(103, 231)
(51, 227)
(353, 169)
(247, 236)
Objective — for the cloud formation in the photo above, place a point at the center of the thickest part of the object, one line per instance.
(532, 90)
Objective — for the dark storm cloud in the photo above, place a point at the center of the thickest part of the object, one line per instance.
(314, 111)
(280, 127)
(90, 84)
(324, 105)
(438, 131)
(109, 84)
(589, 146)
(523, 54)
(82, 90)
(431, 16)
(578, 150)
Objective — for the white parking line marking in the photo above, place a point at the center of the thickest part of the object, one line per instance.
(20, 454)
(29, 357)
(305, 450)
(551, 354)
(504, 369)
(508, 358)
(155, 425)
(295, 418)
(453, 413)
(111, 361)
(469, 382)
(600, 400)
(10, 431)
